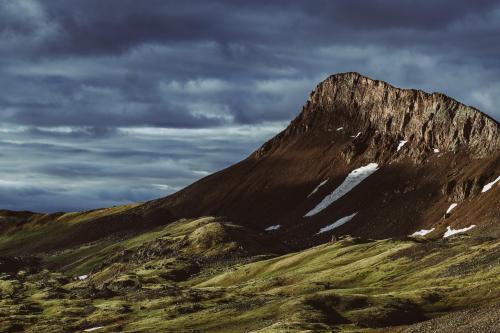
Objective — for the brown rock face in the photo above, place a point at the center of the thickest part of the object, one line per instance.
(429, 122)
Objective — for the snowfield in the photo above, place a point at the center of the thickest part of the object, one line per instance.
(337, 223)
(93, 329)
(422, 232)
(273, 227)
(352, 180)
(401, 144)
(450, 232)
(436, 150)
(317, 187)
(452, 206)
(355, 136)
(340, 129)
(82, 277)
(488, 186)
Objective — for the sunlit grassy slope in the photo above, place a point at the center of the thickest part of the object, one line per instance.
(41, 232)
(209, 275)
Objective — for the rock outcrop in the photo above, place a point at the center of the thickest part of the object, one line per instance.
(381, 115)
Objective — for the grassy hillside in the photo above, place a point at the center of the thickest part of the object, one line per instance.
(24, 233)
(209, 275)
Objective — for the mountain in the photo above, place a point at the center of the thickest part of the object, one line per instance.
(430, 151)
(308, 233)
(396, 160)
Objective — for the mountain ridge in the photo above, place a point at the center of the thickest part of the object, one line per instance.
(431, 151)
(352, 88)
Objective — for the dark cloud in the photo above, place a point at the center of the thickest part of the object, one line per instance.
(143, 96)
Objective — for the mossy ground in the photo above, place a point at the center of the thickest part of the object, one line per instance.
(208, 276)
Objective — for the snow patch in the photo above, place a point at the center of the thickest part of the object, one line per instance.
(488, 186)
(450, 232)
(339, 129)
(317, 187)
(337, 223)
(351, 181)
(355, 136)
(401, 144)
(452, 206)
(273, 227)
(436, 150)
(82, 277)
(93, 329)
(422, 232)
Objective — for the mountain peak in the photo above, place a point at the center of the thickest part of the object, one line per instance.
(352, 79)
(382, 113)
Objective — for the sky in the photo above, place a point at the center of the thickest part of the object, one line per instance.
(109, 102)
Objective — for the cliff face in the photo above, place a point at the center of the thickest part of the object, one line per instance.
(384, 115)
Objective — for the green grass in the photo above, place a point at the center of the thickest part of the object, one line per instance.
(166, 280)
(39, 235)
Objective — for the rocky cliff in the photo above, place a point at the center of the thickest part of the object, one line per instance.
(382, 115)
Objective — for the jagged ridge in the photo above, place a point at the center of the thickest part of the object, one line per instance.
(365, 105)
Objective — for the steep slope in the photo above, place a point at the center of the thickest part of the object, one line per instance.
(430, 150)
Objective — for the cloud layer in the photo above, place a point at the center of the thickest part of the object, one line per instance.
(107, 102)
